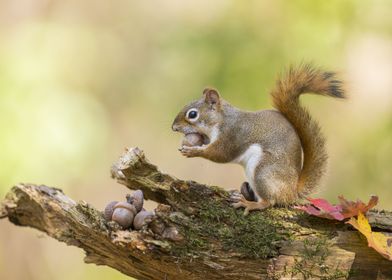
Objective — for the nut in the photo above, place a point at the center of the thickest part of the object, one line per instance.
(141, 219)
(108, 212)
(136, 199)
(124, 214)
(192, 139)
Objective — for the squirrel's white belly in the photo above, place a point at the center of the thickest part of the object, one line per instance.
(250, 159)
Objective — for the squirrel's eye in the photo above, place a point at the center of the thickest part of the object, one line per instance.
(192, 114)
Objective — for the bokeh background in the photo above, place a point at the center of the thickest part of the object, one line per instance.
(81, 80)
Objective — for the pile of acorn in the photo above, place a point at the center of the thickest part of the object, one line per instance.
(129, 214)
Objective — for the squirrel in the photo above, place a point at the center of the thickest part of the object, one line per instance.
(282, 151)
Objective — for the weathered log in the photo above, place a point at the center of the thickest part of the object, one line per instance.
(196, 234)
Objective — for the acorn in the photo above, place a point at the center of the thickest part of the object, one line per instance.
(136, 199)
(122, 213)
(142, 218)
(108, 212)
(192, 139)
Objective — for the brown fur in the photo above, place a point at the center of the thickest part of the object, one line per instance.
(306, 79)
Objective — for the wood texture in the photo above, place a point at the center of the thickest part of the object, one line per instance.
(196, 234)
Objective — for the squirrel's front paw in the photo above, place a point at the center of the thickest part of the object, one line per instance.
(188, 151)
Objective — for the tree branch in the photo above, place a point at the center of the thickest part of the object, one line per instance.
(196, 234)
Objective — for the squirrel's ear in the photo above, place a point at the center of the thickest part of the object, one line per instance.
(211, 96)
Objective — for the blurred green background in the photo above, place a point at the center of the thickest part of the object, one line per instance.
(81, 80)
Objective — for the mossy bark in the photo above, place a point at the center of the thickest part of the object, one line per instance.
(196, 234)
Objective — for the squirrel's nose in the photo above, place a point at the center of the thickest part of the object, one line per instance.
(175, 127)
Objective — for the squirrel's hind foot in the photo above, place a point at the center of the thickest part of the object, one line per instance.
(251, 205)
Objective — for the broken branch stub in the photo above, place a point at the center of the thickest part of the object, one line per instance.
(135, 172)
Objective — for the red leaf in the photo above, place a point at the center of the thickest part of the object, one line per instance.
(322, 208)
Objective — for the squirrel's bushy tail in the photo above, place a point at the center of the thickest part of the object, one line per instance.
(306, 79)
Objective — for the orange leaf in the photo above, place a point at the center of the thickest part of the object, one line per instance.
(351, 208)
(379, 241)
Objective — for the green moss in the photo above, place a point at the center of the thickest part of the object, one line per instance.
(218, 225)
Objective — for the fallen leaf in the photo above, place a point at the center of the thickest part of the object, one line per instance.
(322, 208)
(379, 241)
(351, 208)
